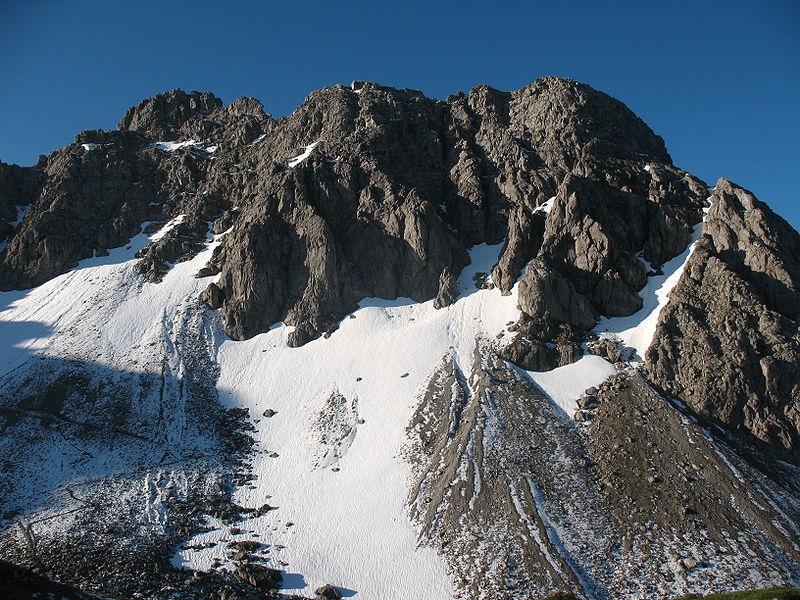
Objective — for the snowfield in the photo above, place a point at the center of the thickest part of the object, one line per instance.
(345, 521)
(328, 459)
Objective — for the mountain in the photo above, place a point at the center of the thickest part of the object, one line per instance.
(496, 346)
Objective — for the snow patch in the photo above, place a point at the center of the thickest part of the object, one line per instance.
(566, 384)
(546, 207)
(293, 162)
(172, 146)
(167, 228)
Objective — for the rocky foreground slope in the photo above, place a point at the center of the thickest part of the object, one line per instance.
(202, 375)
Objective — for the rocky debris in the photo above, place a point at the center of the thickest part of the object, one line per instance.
(328, 592)
(259, 576)
(19, 583)
(482, 281)
(607, 348)
(543, 345)
(634, 486)
(334, 428)
(207, 271)
(247, 546)
(582, 416)
(480, 441)
(102, 534)
(688, 563)
(727, 343)
(669, 474)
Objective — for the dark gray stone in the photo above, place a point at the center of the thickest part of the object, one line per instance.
(727, 343)
(328, 592)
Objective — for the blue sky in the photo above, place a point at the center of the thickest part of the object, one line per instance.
(720, 81)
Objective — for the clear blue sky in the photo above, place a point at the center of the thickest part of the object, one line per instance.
(719, 80)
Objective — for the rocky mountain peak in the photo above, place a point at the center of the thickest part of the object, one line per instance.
(587, 357)
(575, 116)
(415, 181)
(163, 115)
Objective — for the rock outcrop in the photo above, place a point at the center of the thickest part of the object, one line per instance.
(636, 500)
(727, 344)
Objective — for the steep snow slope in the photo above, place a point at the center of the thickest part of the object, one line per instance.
(103, 293)
(101, 382)
(330, 458)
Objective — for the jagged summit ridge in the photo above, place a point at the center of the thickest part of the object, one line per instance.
(436, 176)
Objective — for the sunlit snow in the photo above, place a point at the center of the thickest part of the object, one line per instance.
(566, 384)
(546, 207)
(341, 512)
(172, 146)
(306, 153)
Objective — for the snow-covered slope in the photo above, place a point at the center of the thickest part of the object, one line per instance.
(330, 457)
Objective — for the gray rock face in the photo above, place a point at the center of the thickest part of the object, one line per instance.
(396, 189)
(163, 116)
(18, 188)
(448, 289)
(380, 193)
(727, 343)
